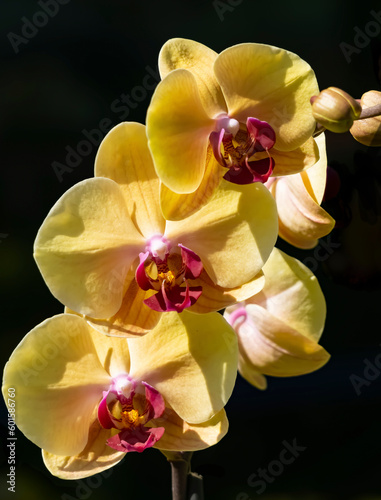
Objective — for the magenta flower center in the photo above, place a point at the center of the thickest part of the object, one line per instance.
(167, 271)
(127, 407)
(241, 148)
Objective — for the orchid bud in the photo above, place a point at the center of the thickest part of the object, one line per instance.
(335, 109)
(368, 130)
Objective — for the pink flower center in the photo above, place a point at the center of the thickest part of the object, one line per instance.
(127, 406)
(167, 270)
(244, 150)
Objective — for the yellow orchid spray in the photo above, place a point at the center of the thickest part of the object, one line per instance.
(180, 221)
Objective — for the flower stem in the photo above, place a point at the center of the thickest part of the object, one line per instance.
(180, 469)
(186, 485)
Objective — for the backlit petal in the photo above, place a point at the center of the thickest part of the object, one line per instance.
(302, 221)
(292, 162)
(85, 247)
(215, 298)
(233, 234)
(293, 294)
(58, 379)
(182, 436)
(133, 318)
(315, 177)
(270, 84)
(124, 157)
(197, 58)
(191, 360)
(96, 457)
(271, 347)
(178, 130)
(179, 206)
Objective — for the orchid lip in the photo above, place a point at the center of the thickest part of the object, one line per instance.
(235, 148)
(128, 406)
(166, 269)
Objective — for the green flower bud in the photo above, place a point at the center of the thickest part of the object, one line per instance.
(335, 109)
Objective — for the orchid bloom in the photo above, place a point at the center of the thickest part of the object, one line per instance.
(244, 115)
(279, 328)
(302, 221)
(88, 399)
(106, 251)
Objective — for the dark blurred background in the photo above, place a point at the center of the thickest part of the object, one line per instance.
(62, 81)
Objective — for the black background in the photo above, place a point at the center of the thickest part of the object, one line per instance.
(64, 80)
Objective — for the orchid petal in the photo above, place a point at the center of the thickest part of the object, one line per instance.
(302, 221)
(85, 247)
(197, 58)
(315, 177)
(182, 436)
(270, 346)
(179, 206)
(191, 360)
(292, 162)
(178, 130)
(270, 84)
(124, 157)
(215, 298)
(133, 319)
(59, 380)
(96, 457)
(293, 294)
(233, 234)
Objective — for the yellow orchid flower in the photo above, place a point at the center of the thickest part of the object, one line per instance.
(106, 251)
(234, 115)
(88, 399)
(279, 328)
(302, 221)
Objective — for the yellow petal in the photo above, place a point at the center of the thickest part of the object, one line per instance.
(179, 206)
(85, 247)
(199, 59)
(269, 346)
(96, 457)
(133, 319)
(292, 162)
(270, 84)
(178, 130)
(124, 157)
(215, 298)
(293, 294)
(191, 360)
(181, 436)
(233, 234)
(249, 373)
(315, 177)
(302, 221)
(58, 379)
